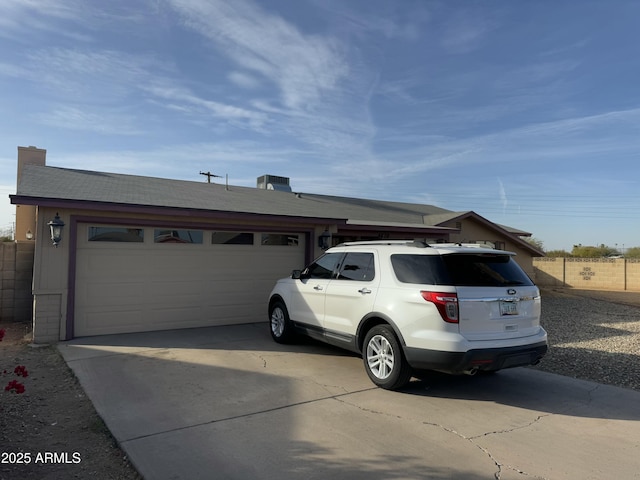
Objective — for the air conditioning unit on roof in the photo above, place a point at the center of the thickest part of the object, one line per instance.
(274, 182)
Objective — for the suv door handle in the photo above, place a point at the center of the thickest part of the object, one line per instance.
(364, 290)
(318, 287)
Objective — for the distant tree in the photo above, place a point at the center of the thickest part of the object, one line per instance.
(633, 252)
(6, 234)
(557, 253)
(593, 252)
(537, 243)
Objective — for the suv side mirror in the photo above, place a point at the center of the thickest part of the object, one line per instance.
(296, 274)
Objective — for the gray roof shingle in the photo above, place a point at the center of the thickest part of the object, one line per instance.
(45, 184)
(88, 186)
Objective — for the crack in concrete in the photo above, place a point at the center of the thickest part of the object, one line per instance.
(500, 466)
(509, 430)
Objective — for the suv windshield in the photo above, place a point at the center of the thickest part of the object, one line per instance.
(463, 269)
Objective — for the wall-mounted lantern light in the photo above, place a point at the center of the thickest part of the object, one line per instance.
(324, 240)
(29, 235)
(56, 226)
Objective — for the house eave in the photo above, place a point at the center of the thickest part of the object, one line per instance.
(499, 228)
(164, 210)
(399, 225)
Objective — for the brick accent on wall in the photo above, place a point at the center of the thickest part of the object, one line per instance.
(588, 273)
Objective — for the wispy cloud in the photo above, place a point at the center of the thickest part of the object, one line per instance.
(503, 195)
(465, 30)
(184, 161)
(41, 17)
(304, 67)
(244, 80)
(109, 122)
(381, 18)
(83, 73)
(323, 90)
(196, 105)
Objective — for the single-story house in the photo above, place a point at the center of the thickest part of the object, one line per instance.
(139, 253)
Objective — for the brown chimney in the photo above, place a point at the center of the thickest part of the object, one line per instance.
(26, 214)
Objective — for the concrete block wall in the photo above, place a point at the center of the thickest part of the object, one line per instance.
(7, 275)
(588, 273)
(595, 273)
(549, 271)
(16, 273)
(633, 274)
(48, 315)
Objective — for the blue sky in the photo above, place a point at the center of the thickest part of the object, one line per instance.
(526, 112)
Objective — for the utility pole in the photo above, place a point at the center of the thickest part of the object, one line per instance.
(209, 175)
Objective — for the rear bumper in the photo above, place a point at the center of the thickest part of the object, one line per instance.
(479, 359)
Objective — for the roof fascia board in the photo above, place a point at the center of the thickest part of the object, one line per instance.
(413, 226)
(165, 211)
(498, 228)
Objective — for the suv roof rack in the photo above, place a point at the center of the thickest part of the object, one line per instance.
(414, 243)
(470, 245)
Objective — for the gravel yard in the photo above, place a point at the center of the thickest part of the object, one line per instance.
(593, 335)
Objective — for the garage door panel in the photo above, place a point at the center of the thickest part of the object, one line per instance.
(145, 265)
(160, 290)
(126, 287)
(169, 315)
(234, 314)
(116, 320)
(101, 296)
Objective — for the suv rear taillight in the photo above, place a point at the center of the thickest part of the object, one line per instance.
(446, 303)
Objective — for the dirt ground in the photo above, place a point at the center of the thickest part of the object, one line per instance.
(51, 431)
(620, 297)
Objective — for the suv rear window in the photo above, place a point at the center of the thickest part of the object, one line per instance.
(477, 270)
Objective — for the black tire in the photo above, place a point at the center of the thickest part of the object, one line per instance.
(384, 359)
(280, 324)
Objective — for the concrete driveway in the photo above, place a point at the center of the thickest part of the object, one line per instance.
(228, 403)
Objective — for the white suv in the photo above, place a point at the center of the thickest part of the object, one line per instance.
(407, 305)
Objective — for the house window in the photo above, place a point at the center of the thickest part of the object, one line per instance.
(115, 234)
(231, 238)
(280, 239)
(486, 243)
(166, 235)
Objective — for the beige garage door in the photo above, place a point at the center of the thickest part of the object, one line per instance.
(132, 279)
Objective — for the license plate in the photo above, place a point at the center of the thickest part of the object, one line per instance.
(508, 308)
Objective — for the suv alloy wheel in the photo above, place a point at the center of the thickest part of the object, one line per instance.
(384, 361)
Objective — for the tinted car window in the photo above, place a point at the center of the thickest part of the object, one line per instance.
(481, 270)
(485, 270)
(357, 266)
(323, 267)
(423, 269)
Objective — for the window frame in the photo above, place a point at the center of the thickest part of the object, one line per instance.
(370, 267)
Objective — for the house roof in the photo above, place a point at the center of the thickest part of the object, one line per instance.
(41, 185)
(54, 183)
(439, 219)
